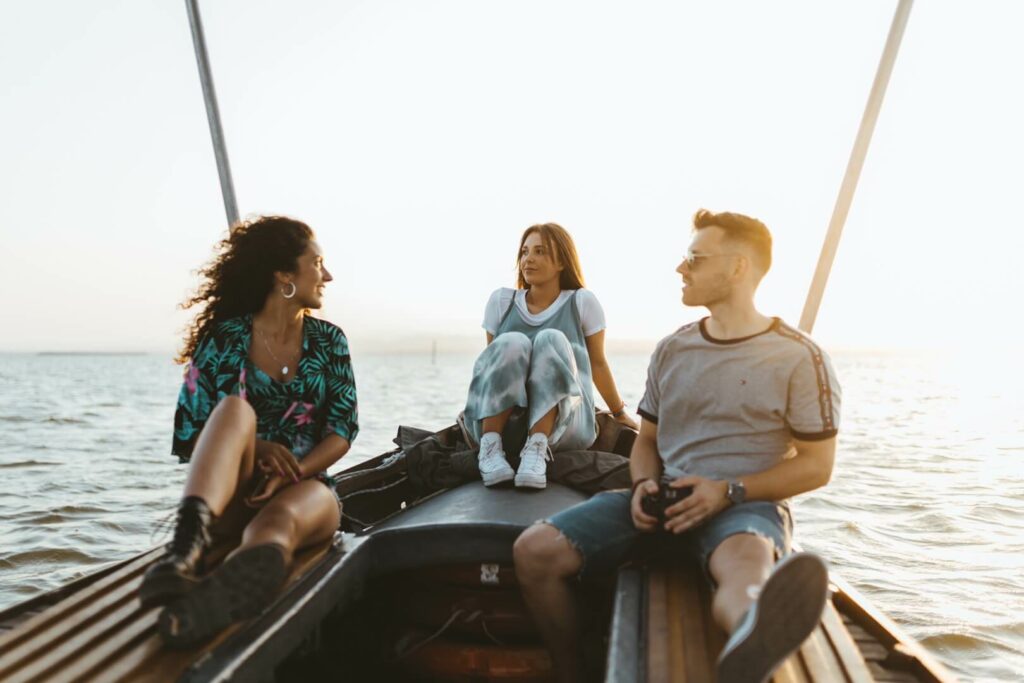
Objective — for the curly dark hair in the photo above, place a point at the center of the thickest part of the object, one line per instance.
(241, 274)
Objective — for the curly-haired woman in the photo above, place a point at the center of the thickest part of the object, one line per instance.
(268, 404)
(545, 352)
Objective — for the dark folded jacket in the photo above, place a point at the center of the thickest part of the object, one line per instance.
(440, 460)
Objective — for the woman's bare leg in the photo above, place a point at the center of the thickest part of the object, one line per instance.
(224, 455)
(546, 424)
(300, 515)
(495, 423)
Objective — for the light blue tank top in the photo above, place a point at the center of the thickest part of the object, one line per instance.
(567, 321)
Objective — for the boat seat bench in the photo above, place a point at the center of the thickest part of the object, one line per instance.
(102, 632)
(650, 643)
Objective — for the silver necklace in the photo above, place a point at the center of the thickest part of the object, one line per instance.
(284, 366)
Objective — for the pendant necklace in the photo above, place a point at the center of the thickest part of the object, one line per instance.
(284, 366)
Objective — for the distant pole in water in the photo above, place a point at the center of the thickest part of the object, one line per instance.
(227, 188)
(856, 163)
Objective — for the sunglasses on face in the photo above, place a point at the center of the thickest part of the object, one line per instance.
(693, 260)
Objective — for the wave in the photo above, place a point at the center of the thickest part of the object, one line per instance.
(52, 420)
(27, 463)
(48, 556)
(65, 421)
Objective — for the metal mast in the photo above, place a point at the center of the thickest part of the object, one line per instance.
(853, 168)
(227, 188)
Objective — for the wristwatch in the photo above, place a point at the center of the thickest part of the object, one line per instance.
(736, 492)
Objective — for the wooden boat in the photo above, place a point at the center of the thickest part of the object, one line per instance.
(422, 588)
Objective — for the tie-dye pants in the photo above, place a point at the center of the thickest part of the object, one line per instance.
(538, 375)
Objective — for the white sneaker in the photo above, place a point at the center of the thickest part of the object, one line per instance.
(786, 612)
(533, 465)
(494, 468)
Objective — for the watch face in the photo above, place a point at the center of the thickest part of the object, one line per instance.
(736, 492)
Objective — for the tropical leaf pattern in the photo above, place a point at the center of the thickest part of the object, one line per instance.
(318, 402)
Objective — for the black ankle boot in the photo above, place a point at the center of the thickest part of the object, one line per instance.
(176, 573)
(242, 587)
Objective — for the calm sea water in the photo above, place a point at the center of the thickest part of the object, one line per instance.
(925, 514)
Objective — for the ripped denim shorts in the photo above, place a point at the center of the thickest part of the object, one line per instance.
(602, 530)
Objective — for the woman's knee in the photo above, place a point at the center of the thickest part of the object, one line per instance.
(512, 343)
(236, 408)
(543, 552)
(274, 524)
(303, 510)
(553, 338)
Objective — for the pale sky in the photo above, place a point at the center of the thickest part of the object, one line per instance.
(420, 138)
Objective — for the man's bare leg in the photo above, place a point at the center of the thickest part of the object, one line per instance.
(545, 564)
(740, 566)
(769, 610)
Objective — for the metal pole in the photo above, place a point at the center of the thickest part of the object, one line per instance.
(227, 188)
(853, 168)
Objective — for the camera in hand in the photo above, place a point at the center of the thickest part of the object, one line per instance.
(656, 504)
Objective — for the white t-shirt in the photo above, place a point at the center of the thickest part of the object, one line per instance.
(591, 313)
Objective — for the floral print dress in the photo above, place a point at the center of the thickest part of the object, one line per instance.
(319, 401)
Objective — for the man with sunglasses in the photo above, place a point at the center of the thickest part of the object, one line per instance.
(742, 408)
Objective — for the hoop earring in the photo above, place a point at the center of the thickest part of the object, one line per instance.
(294, 289)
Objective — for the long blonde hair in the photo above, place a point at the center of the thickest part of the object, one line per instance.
(558, 242)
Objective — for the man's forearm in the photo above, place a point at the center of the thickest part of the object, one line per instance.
(809, 470)
(644, 462)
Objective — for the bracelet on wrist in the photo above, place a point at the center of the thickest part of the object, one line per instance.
(621, 411)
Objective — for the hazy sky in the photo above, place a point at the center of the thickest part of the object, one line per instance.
(420, 138)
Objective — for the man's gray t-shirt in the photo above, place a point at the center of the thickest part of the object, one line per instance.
(729, 408)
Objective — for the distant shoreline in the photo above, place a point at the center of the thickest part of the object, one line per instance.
(94, 353)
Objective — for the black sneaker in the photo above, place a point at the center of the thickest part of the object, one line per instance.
(239, 589)
(786, 612)
(177, 573)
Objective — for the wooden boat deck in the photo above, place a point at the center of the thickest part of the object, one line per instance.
(663, 622)
(686, 648)
(661, 628)
(96, 630)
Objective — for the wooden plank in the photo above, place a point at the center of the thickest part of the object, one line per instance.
(677, 654)
(127, 666)
(883, 675)
(690, 612)
(625, 635)
(148, 661)
(888, 634)
(71, 647)
(657, 627)
(88, 617)
(76, 614)
(20, 612)
(103, 632)
(819, 659)
(791, 671)
(56, 612)
(846, 650)
(121, 637)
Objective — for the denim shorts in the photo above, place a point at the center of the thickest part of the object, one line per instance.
(602, 530)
